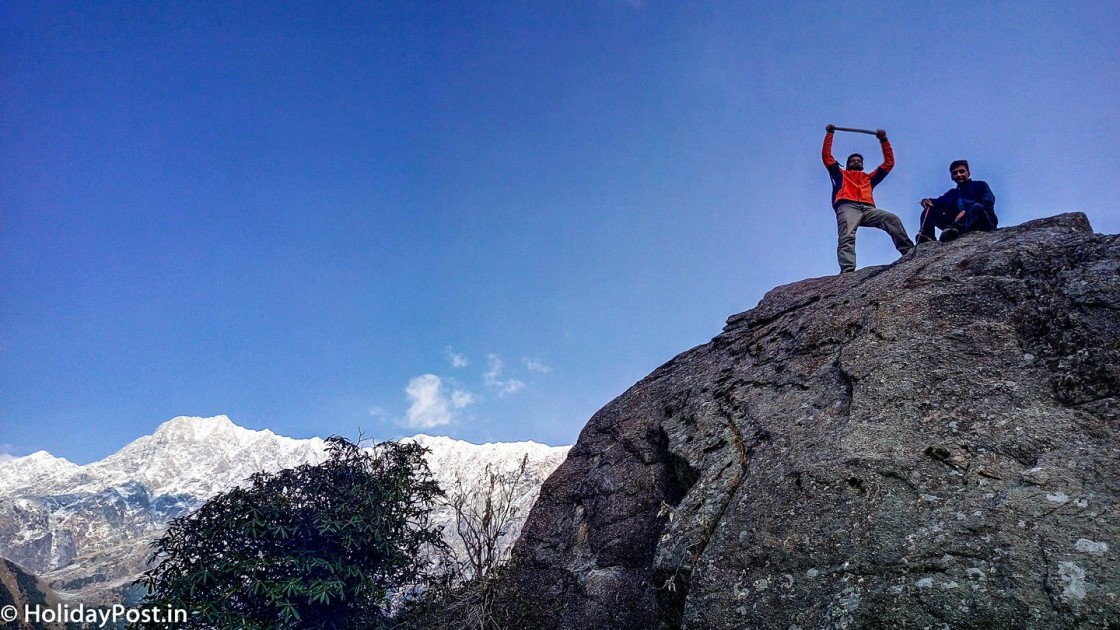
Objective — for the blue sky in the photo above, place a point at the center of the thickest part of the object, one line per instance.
(483, 220)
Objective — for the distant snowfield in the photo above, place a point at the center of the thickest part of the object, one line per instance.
(87, 529)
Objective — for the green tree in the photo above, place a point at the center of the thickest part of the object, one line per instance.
(321, 546)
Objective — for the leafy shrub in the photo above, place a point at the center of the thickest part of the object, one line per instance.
(322, 546)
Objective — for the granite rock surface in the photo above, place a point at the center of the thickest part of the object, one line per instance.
(934, 443)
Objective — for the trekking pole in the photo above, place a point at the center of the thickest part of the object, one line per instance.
(867, 131)
(926, 214)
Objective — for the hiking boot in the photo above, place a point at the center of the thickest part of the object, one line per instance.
(949, 234)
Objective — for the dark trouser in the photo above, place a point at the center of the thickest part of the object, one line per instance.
(851, 215)
(976, 218)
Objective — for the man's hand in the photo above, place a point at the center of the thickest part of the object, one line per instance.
(881, 134)
(927, 203)
(830, 128)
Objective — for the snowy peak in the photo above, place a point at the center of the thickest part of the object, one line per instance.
(203, 456)
(216, 429)
(38, 459)
(38, 467)
(219, 432)
(185, 455)
(195, 429)
(448, 454)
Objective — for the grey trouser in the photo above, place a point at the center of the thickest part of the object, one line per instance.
(851, 215)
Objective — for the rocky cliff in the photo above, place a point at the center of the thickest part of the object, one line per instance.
(933, 443)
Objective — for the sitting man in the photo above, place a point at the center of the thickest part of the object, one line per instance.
(969, 207)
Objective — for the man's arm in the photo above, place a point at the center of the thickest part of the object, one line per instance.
(982, 194)
(826, 150)
(938, 202)
(888, 158)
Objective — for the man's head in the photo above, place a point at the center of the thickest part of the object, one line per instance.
(855, 162)
(958, 170)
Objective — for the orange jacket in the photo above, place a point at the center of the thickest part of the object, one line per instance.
(855, 185)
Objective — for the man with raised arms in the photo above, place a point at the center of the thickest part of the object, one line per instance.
(854, 204)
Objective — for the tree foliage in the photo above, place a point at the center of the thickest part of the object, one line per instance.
(320, 546)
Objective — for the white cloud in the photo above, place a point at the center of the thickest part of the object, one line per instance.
(493, 377)
(496, 364)
(430, 406)
(535, 366)
(510, 386)
(460, 399)
(457, 360)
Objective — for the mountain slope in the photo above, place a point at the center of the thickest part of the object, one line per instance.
(21, 589)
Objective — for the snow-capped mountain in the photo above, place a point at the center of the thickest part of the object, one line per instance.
(192, 456)
(461, 469)
(87, 529)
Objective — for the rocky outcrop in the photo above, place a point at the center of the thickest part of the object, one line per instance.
(933, 443)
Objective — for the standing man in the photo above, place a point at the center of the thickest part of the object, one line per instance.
(853, 203)
(969, 207)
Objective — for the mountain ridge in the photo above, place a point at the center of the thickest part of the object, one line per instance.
(85, 529)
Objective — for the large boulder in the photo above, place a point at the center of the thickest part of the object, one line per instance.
(932, 443)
